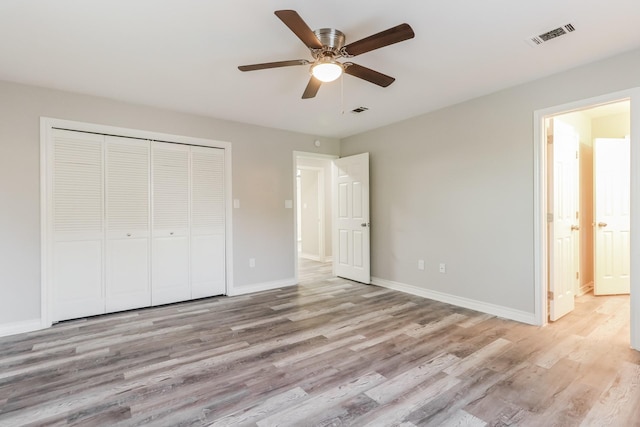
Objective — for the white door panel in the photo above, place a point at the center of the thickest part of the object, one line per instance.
(351, 218)
(78, 224)
(77, 279)
(170, 223)
(612, 216)
(563, 186)
(207, 219)
(170, 270)
(207, 265)
(127, 220)
(127, 274)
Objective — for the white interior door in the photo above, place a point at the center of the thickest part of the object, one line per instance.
(207, 222)
(170, 223)
(612, 216)
(563, 186)
(77, 196)
(127, 220)
(351, 237)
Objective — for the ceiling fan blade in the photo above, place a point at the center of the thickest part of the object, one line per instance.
(312, 88)
(296, 24)
(277, 64)
(393, 35)
(368, 74)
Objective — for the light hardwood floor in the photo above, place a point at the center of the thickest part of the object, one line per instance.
(328, 352)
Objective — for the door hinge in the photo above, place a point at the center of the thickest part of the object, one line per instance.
(549, 217)
(577, 275)
(550, 296)
(576, 154)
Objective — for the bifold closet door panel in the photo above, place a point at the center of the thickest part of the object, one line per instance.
(77, 204)
(128, 225)
(207, 222)
(170, 223)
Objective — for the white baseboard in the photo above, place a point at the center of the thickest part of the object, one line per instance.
(585, 289)
(484, 307)
(20, 327)
(259, 287)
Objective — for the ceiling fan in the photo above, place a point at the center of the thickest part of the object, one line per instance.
(327, 45)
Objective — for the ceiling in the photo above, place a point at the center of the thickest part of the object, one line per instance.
(183, 54)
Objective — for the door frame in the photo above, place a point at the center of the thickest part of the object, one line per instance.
(306, 155)
(540, 202)
(47, 124)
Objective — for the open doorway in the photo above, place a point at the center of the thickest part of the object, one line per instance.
(313, 213)
(588, 205)
(570, 231)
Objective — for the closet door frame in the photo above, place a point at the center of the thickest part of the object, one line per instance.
(47, 124)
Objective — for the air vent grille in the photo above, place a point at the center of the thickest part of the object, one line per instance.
(551, 34)
(359, 110)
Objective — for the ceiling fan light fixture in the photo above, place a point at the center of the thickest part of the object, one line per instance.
(327, 70)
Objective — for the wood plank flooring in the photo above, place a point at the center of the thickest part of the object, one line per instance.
(328, 352)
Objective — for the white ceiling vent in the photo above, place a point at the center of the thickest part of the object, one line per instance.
(551, 34)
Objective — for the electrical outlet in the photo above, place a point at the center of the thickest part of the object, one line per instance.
(252, 262)
(443, 267)
(420, 264)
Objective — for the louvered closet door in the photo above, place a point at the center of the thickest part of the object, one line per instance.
(128, 224)
(78, 218)
(170, 223)
(207, 222)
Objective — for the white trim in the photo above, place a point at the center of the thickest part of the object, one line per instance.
(484, 307)
(266, 286)
(585, 289)
(47, 124)
(20, 327)
(45, 298)
(303, 155)
(540, 205)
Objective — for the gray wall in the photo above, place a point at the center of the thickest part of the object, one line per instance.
(456, 186)
(262, 180)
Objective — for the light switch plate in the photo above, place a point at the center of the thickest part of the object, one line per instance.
(288, 204)
(236, 203)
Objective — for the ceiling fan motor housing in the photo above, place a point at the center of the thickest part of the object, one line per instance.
(332, 41)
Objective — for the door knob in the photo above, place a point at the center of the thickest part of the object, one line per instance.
(602, 224)
(365, 224)
(575, 227)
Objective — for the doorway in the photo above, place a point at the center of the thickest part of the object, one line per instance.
(313, 210)
(603, 117)
(588, 184)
